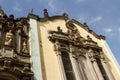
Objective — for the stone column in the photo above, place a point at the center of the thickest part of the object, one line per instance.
(93, 73)
(97, 70)
(58, 54)
(107, 70)
(81, 71)
(74, 64)
(18, 41)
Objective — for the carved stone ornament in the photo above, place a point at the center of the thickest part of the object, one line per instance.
(19, 25)
(7, 64)
(89, 41)
(56, 46)
(81, 51)
(74, 33)
(91, 55)
(8, 38)
(10, 25)
(73, 39)
(46, 13)
(13, 31)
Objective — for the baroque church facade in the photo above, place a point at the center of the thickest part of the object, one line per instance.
(53, 48)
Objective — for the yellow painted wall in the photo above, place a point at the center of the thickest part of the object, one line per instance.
(52, 70)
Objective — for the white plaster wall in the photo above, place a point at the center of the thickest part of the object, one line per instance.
(35, 50)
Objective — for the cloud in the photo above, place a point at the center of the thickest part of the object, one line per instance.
(119, 29)
(17, 8)
(96, 19)
(51, 4)
(108, 30)
(79, 1)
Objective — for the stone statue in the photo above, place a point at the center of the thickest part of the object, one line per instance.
(24, 47)
(8, 38)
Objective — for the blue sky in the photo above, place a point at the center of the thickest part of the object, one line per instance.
(102, 16)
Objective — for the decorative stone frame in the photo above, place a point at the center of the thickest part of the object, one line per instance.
(85, 47)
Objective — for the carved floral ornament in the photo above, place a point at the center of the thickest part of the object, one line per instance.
(74, 39)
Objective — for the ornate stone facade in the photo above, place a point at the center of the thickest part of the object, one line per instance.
(53, 48)
(14, 48)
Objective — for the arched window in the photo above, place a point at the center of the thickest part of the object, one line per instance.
(67, 66)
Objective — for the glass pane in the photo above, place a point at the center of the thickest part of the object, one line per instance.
(67, 66)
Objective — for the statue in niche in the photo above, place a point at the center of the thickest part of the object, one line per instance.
(24, 46)
(8, 38)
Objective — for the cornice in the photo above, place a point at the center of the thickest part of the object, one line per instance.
(33, 16)
(64, 17)
(52, 18)
(36, 17)
(86, 27)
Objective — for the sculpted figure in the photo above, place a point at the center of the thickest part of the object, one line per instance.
(8, 38)
(24, 47)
